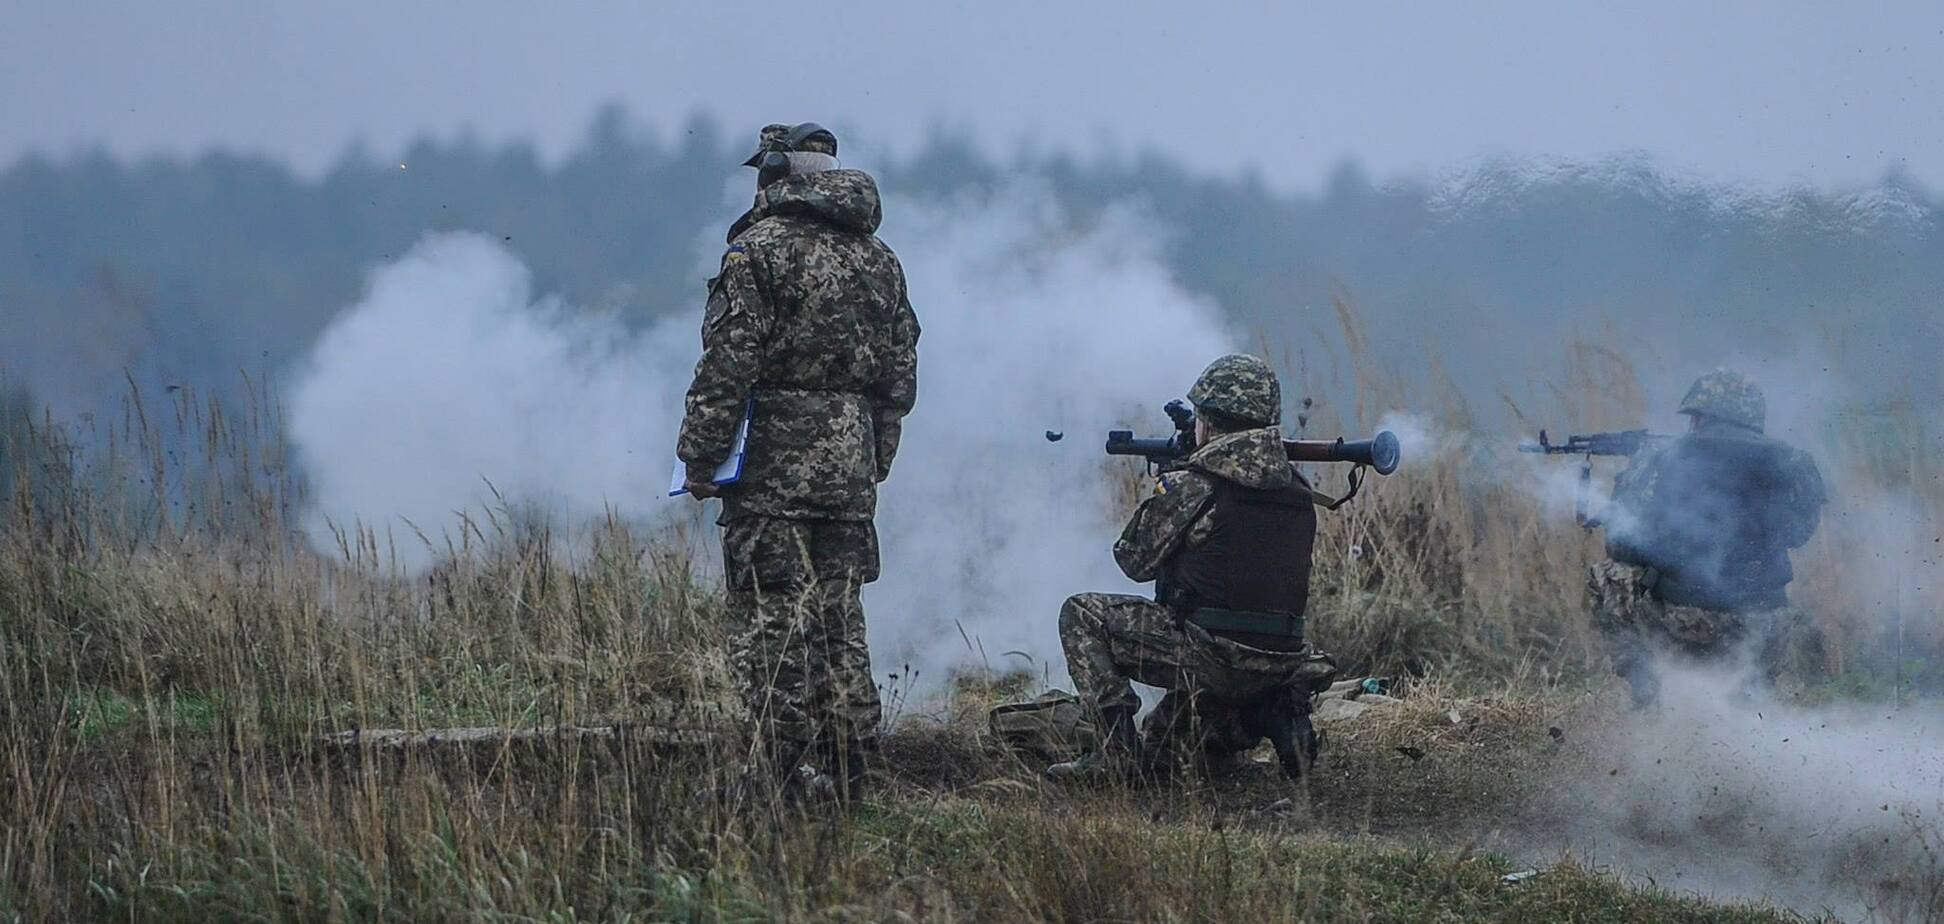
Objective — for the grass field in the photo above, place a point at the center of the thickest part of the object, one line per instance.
(176, 658)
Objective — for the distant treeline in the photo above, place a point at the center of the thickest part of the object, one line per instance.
(187, 272)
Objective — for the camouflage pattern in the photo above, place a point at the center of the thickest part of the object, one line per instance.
(809, 321)
(797, 628)
(809, 318)
(1728, 396)
(1783, 641)
(1053, 726)
(1173, 518)
(1698, 534)
(1716, 512)
(1239, 386)
(1624, 607)
(1111, 639)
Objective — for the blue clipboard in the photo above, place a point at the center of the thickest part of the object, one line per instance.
(731, 469)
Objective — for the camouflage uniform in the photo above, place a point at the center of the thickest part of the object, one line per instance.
(809, 320)
(1111, 639)
(1698, 534)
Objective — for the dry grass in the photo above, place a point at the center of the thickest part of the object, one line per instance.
(172, 652)
(1467, 562)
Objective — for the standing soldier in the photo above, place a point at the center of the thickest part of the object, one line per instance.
(808, 332)
(1227, 541)
(1698, 535)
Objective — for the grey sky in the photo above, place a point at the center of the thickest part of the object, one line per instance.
(1764, 92)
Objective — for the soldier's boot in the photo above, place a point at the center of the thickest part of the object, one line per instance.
(1217, 764)
(1118, 756)
(1296, 742)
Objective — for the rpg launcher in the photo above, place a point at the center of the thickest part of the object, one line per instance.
(1611, 443)
(1380, 453)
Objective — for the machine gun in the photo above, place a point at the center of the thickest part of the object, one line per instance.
(1610, 443)
(1169, 453)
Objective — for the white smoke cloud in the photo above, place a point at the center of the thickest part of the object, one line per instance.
(1734, 795)
(1029, 327)
(450, 374)
(1421, 441)
(1837, 805)
(450, 379)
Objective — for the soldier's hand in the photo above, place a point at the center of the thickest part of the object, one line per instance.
(699, 481)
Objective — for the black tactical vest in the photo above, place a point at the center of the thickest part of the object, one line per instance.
(1256, 558)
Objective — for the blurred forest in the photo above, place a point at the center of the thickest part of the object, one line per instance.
(195, 273)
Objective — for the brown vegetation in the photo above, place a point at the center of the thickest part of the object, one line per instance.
(174, 658)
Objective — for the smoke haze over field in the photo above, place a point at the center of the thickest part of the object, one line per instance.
(451, 378)
(1736, 796)
(1029, 327)
(465, 247)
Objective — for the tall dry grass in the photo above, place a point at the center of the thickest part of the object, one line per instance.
(176, 655)
(1467, 562)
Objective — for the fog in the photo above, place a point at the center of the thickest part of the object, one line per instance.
(477, 287)
(1744, 92)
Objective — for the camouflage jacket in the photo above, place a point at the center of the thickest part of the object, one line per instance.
(1176, 517)
(1715, 513)
(809, 319)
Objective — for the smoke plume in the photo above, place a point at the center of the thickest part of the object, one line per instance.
(1735, 794)
(451, 379)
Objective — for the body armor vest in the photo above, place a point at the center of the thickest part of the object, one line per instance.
(1254, 560)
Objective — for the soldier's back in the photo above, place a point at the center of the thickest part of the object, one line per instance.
(839, 348)
(1716, 513)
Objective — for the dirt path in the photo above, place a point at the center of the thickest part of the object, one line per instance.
(1528, 777)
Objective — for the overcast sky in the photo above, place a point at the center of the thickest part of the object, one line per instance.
(1831, 94)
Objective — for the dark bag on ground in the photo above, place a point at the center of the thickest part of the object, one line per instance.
(1051, 728)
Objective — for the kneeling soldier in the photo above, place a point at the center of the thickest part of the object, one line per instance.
(1698, 535)
(1227, 539)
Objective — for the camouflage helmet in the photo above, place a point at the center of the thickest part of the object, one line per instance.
(1727, 395)
(806, 137)
(1240, 387)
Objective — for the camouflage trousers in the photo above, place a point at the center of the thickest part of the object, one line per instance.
(797, 630)
(1639, 628)
(1112, 639)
